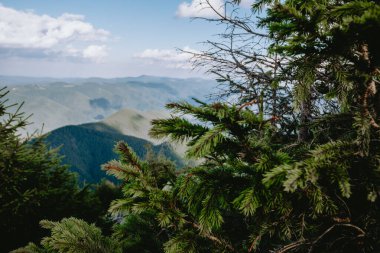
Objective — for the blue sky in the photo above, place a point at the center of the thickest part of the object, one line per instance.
(114, 38)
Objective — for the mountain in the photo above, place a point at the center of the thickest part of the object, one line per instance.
(71, 101)
(88, 116)
(86, 147)
(135, 123)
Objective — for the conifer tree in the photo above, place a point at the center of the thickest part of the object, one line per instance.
(72, 235)
(263, 186)
(34, 185)
(332, 58)
(302, 181)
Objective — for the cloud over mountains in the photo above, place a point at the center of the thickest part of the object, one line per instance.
(26, 34)
(170, 58)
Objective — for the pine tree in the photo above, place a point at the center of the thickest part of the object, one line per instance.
(263, 186)
(34, 185)
(72, 235)
(307, 181)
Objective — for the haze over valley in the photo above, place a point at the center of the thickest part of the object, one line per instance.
(56, 102)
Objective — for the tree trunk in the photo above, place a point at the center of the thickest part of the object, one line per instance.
(303, 131)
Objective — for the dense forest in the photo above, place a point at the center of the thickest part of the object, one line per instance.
(289, 150)
(86, 147)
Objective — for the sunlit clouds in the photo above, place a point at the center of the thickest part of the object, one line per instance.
(26, 34)
(169, 58)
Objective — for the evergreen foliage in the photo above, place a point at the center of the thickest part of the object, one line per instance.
(72, 235)
(34, 185)
(270, 179)
(265, 185)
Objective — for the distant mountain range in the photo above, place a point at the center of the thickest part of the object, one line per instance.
(59, 102)
(86, 117)
(87, 146)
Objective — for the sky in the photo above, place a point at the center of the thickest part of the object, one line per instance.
(98, 38)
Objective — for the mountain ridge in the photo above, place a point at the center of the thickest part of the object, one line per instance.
(58, 102)
(86, 147)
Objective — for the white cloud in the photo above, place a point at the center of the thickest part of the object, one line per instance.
(25, 30)
(247, 3)
(200, 8)
(95, 52)
(168, 57)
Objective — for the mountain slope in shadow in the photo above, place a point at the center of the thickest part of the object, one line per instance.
(86, 147)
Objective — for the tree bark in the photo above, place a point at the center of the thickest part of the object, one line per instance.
(304, 131)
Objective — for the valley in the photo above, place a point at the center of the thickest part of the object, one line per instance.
(53, 103)
(85, 118)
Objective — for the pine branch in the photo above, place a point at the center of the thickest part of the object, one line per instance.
(291, 246)
(128, 156)
(360, 231)
(177, 129)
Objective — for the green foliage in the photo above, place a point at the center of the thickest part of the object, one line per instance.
(146, 190)
(34, 185)
(307, 181)
(138, 234)
(72, 235)
(252, 192)
(276, 195)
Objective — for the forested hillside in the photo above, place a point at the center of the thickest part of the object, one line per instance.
(86, 147)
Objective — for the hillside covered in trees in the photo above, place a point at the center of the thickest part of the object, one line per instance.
(289, 150)
(87, 147)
